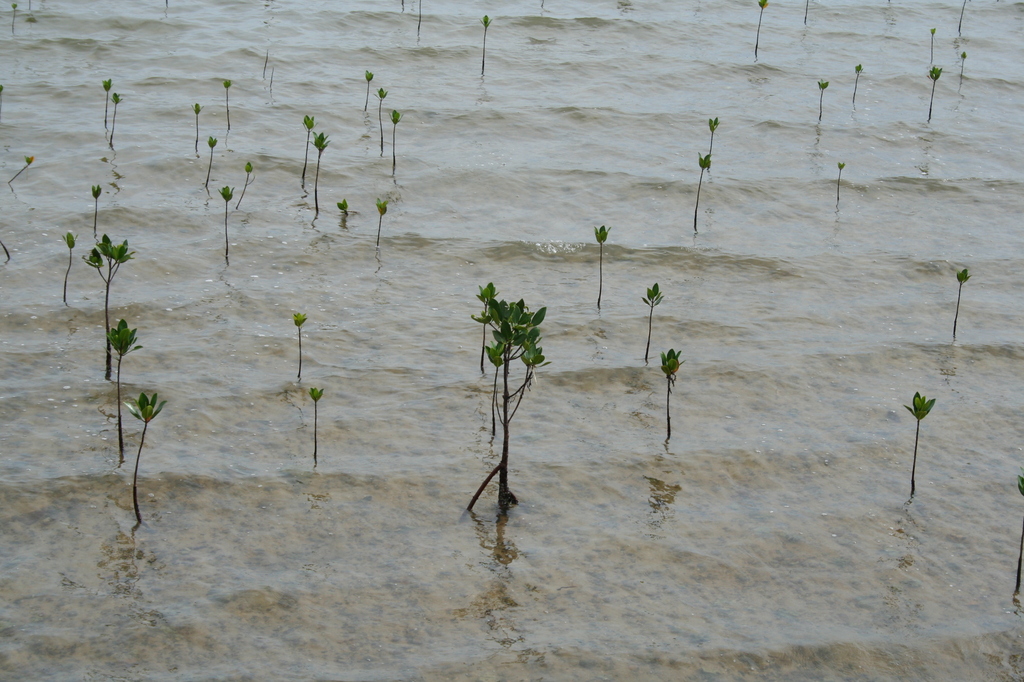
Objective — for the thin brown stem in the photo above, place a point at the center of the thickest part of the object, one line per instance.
(650, 328)
(120, 430)
(1020, 557)
(135, 477)
(913, 468)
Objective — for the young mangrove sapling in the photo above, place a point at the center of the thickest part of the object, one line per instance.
(299, 319)
(857, 69)
(1020, 554)
(248, 172)
(112, 257)
(922, 406)
(705, 164)
(369, 77)
(211, 142)
(757, 41)
(315, 394)
(381, 94)
(931, 54)
(933, 74)
(69, 239)
(486, 21)
(713, 126)
(196, 108)
(308, 122)
(963, 58)
(226, 193)
(145, 409)
(653, 298)
(106, 99)
(601, 234)
(960, 25)
(838, 180)
(382, 208)
(516, 335)
(227, 103)
(28, 162)
(122, 340)
(96, 191)
(14, 15)
(116, 99)
(670, 363)
(320, 141)
(821, 97)
(961, 277)
(395, 118)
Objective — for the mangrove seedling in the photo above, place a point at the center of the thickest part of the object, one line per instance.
(122, 340)
(343, 207)
(382, 208)
(807, 6)
(248, 173)
(838, 180)
(419, 22)
(28, 162)
(315, 394)
(961, 277)
(516, 335)
(96, 191)
(705, 164)
(308, 122)
(211, 142)
(226, 193)
(653, 298)
(713, 126)
(395, 118)
(381, 94)
(14, 15)
(963, 58)
(931, 54)
(485, 296)
(922, 406)
(116, 99)
(960, 25)
(486, 21)
(1020, 554)
(857, 69)
(933, 74)
(196, 108)
(145, 409)
(227, 103)
(69, 239)
(601, 234)
(757, 41)
(670, 363)
(821, 97)
(299, 319)
(366, 104)
(110, 256)
(320, 142)
(106, 99)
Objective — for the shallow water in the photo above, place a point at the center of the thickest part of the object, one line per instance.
(768, 539)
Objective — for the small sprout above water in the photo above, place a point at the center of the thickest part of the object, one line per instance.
(705, 164)
(211, 142)
(382, 208)
(315, 394)
(248, 173)
(670, 363)
(145, 409)
(69, 240)
(381, 94)
(227, 194)
(963, 59)
(395, 118)
(369, 77)
(653, 298)
(931, 54)
(486, 21)
(838, 180)
(96, 191)
(28, 162)
(821, 97)
(343, 207)
(922, 406)
(116, 99)
(601, 234)
(857, 69)
(299, 319)
(757, 41)
(196, 109)
(934, 73)
(712, 126)
(320, 141)
(122, 340)
(961, 277)
(227, 103)
(106, 99)
(308, 122)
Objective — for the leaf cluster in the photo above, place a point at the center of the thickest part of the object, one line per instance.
(515, 331)
(320, 142)
(309, 122)
(122, 339)
(922, 406)
(670, 363)
(934, 73)
(299, 319)
(316, 394)
(704, 161)
(654, 296)
(601, 233)
(962, 276)
(146, 408)
(107, 252)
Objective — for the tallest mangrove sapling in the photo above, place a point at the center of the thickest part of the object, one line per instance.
(516, 336)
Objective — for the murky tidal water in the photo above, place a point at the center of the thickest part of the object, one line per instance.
(768, 539)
